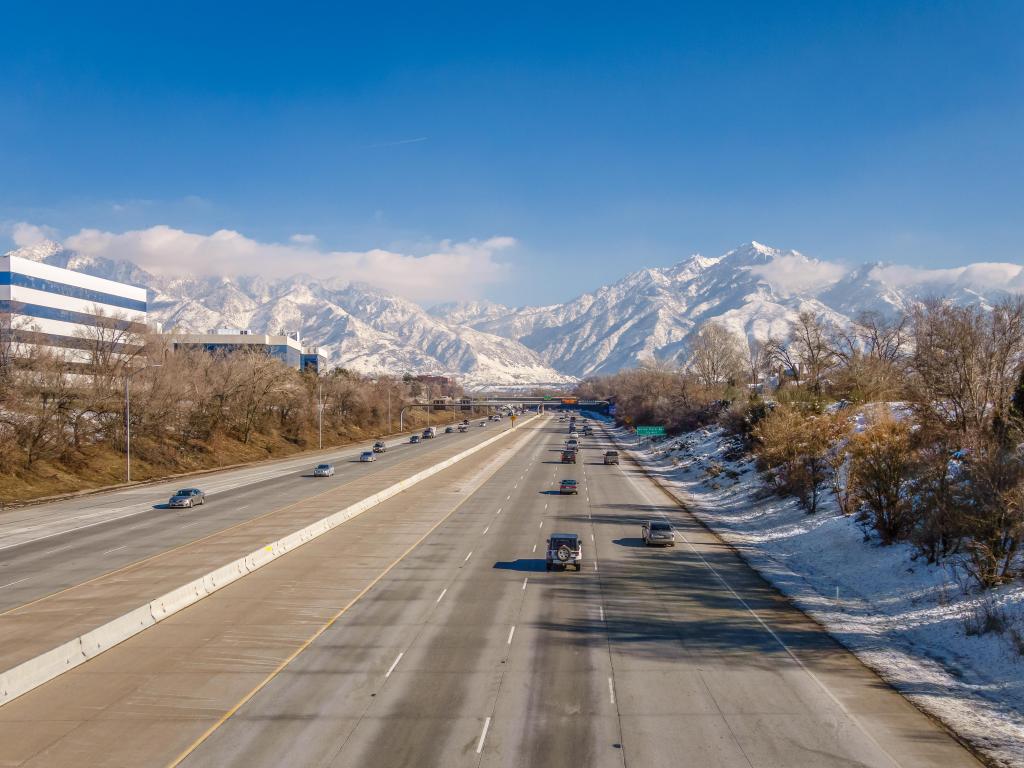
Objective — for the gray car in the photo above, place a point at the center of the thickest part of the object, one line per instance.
(658, 533)
(186, 498)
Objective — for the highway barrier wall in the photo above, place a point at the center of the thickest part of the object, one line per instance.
(43, 668)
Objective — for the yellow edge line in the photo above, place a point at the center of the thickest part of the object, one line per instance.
(330, 622)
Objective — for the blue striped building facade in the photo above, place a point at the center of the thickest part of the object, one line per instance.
(60, 308)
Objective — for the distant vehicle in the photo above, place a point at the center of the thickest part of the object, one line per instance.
(588, 432)
(568, 457)
(463, 428)
(449, 430)
(323, 470)
(572, 444)
(186, 498)
(494, 417)
(564, 549)
(658, 533)
(414, 439)
(379, 447)
(429, 432)
(483, 423)
(367, 456)
(568, 486)
(611, 457)
(465, 422)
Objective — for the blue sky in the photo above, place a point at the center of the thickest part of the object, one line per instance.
(602, 137)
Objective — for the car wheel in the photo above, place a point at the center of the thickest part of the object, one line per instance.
(190, 504)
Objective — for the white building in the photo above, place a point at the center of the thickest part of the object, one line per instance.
(286, 348)
(49, 306)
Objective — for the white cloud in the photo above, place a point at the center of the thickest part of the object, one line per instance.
(982, 275)
(454, 270)
(24, 234)
(795, 273)
(302, 239)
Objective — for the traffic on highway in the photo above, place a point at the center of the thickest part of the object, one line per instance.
(523, 595)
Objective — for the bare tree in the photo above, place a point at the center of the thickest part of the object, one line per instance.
(716, 356)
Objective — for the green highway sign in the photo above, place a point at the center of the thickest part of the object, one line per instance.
(547, 397)
(650, 431)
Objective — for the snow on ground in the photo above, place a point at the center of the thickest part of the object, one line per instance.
(902, 617)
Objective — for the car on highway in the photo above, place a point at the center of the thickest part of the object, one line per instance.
(463, 428)
(568, 456)
(588, 432)
(379, 447)
(449, 430)
(367, 456)
(611, 457)
(658, 533)
(414, 439)
(429, 432)
(564, 549)
(323, 470)
(483, 423)
(572, 444)
(465, 422)
(186, 498)
(568, 486)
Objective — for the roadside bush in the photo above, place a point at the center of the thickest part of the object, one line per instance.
(881, 465)
(794, 449)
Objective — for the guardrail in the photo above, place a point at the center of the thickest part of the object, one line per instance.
(45, 667)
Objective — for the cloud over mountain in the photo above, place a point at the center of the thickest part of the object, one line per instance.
(451, 271)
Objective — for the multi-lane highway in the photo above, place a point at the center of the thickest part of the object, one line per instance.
(48, 547)
(427, 632)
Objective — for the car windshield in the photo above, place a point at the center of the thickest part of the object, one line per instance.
(661, 527)
(568, 482)
(323, 466)
(184, 492)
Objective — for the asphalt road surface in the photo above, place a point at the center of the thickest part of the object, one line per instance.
(426, 632)
(48, 547)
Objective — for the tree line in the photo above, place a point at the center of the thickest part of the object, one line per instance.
(63, 416)
(913, 422)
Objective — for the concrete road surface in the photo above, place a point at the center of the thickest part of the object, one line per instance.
(48, 547)
(427, 632)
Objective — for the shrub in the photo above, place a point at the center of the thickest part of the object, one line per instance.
(881, 465)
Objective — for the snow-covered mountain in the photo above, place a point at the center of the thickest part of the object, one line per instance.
(356, 326)
(754, 289)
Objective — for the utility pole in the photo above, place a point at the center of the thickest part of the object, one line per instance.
(389, 407)
(320, 410)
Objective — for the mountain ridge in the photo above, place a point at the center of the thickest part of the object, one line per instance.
(755, 290)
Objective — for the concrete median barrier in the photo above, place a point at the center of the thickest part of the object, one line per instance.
(30, 674)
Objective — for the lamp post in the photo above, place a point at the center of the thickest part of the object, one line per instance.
(320, 412)
(128, 418)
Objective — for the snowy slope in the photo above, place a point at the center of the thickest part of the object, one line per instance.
(756, 290)
(648, 315)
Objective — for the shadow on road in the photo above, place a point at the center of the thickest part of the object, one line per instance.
(531, 565)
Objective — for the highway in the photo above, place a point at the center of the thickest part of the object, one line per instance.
(45, 548)
(426, 632)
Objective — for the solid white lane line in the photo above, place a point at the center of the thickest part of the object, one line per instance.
(528, 578)
(483, 735)
(611, 690)
(510, 633)
(115, 549)
(468, 556)
(439, 597)
(5, 586)
(58, 549)
(393, 665)
(486, 530)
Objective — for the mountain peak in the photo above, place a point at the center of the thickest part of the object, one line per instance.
(41, 251)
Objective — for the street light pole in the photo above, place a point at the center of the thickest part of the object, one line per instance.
(128, 419)
(320, 409)
(389, 407)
